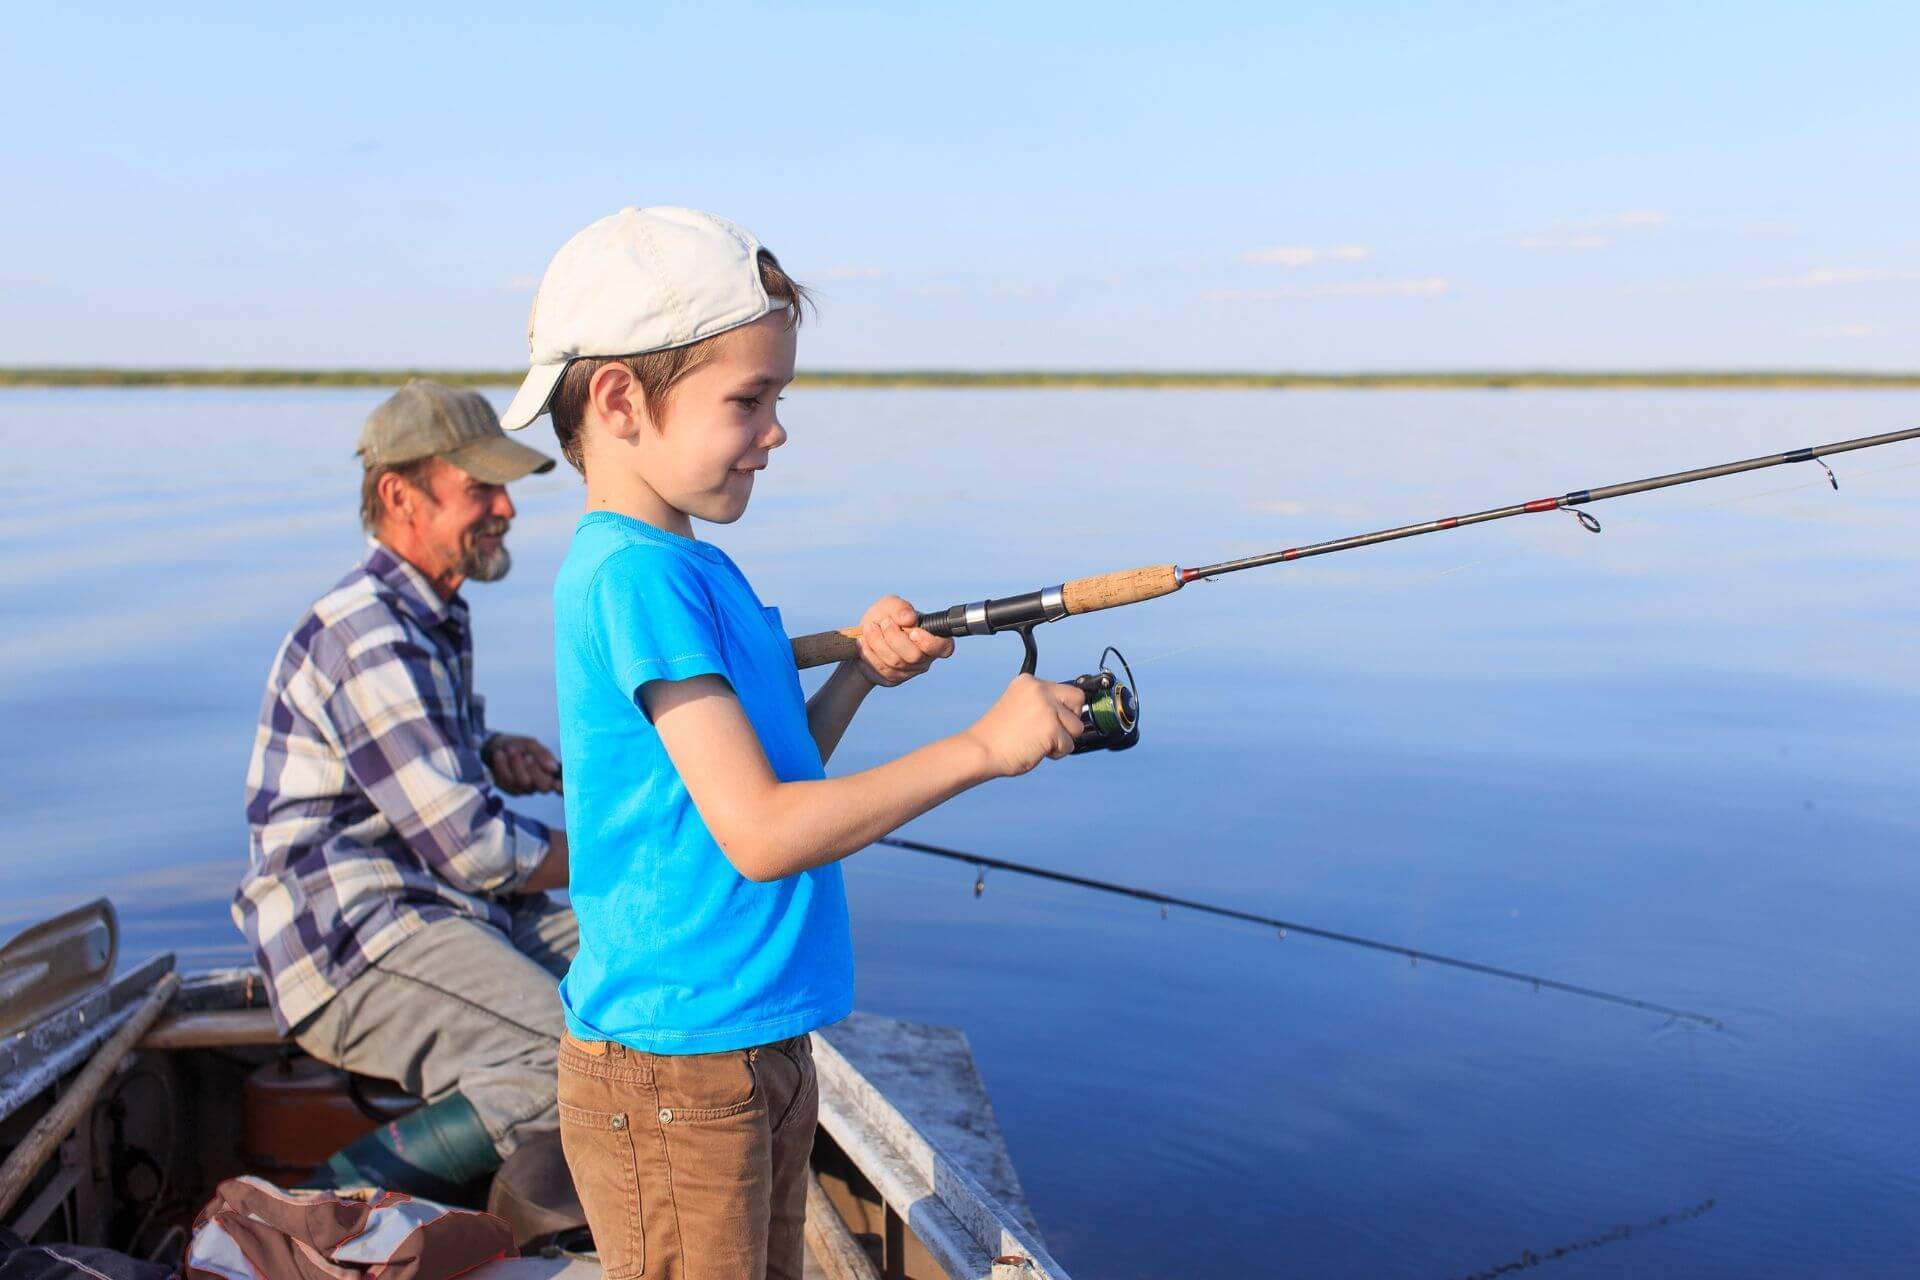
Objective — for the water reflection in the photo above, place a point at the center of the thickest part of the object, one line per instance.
(1675, 759)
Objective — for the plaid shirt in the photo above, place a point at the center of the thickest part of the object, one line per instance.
(369, 810)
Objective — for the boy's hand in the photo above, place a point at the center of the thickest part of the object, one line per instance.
(892, 649)
(1033, 720)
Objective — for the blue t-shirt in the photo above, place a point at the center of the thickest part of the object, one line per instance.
(679, 952)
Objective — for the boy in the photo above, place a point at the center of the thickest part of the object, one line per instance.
(705, 836)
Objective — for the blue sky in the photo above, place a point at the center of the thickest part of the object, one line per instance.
(1364, 186)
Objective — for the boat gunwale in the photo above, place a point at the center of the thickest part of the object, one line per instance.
(966, 1233)
(964, 1227)
(36, 1057)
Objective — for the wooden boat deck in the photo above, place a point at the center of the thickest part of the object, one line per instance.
(909, 1156)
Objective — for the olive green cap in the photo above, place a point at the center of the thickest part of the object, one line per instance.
(428, 419)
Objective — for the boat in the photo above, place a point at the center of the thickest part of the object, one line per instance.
(126, 1097)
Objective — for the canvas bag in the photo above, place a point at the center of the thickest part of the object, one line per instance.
(253, 1230)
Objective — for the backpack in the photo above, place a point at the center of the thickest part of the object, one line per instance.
(253, 1230)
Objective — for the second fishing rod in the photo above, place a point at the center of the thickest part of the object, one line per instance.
(1112, 714)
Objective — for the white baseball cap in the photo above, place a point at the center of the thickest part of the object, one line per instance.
(640, 280)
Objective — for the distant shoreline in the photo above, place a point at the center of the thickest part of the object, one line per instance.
(60, 376)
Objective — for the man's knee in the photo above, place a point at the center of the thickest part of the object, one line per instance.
(318, 1034)
(517, 1095)
(543, 1118)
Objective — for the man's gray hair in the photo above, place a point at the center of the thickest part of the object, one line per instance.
(372, 509)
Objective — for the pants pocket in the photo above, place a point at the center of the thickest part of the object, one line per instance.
(599, 1149)
(703, 1087)
(805, 1107)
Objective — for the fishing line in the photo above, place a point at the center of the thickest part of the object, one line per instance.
(1219, 637)
(1529, 1258)
(1634, 524)
(1795, 488)
(1699, 1113)
(1024, 613)
(1285, 928)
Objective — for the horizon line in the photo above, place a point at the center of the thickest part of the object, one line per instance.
(199, 376)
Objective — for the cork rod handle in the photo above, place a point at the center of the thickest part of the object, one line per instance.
(1125, 586)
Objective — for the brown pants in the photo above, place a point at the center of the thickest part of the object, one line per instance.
(691, 1167)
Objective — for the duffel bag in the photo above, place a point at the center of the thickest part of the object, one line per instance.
(253, 1230)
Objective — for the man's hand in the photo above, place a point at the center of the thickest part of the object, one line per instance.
(521, 766)
(892, 649)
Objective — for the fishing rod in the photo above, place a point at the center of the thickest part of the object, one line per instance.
(1022, 613)
(982, 864)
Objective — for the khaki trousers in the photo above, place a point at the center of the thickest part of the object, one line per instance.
(461, 1005)
(691, 1167)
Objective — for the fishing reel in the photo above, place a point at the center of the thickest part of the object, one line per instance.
(1112, 714)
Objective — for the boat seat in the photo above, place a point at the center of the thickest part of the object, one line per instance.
(213, 1029)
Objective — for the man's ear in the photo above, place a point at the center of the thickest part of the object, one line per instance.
(398, 499)
(402, 499)
(615, 399)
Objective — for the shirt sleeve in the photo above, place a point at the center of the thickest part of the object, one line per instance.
(651, 618)
(393, 710)
(477, 717)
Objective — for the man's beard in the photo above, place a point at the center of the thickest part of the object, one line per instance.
(482, 565)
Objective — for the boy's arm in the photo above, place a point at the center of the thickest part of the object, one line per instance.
(831, 708)
(770, 829)
(892, 650)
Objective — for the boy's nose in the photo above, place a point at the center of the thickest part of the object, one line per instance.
(775, 437)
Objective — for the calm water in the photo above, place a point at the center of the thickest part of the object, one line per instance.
(1675, 760)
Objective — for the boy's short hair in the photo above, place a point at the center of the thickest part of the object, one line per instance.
(657, 372)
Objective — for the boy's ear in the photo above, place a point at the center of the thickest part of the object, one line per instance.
(615, 398)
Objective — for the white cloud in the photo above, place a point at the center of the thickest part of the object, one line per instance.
(1586, 240)
(524, 284)
(1845, 331)
(1024, 288)
(1824, 277)
(1840, 275)
(1596, 231)
(851, 271)
(1635, 219)
(1418, 287)
(1292, 256)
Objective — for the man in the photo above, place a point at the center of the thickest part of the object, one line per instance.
(393, 900)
